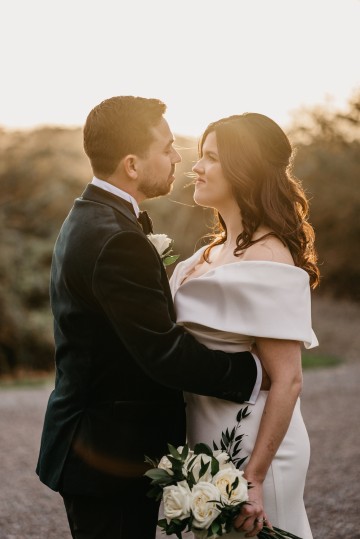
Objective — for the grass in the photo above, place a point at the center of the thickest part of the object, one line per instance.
(26, 379)
(316, 361)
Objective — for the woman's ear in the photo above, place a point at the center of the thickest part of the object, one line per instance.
(130, 164)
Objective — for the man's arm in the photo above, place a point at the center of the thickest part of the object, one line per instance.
(127, 284)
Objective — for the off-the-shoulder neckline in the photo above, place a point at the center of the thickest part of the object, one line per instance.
(186, 280)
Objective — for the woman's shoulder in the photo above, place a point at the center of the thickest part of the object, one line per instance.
(269, 249)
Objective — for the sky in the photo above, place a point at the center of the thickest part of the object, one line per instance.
(205, 59)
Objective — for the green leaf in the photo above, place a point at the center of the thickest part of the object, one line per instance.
(154, 463)
(185, 452)
(191, 479)
(168, 260)
(155, 492)
(285, 533)
(203, 468)
(158, 475)
(162, 523)
(202, 448)
(214, 466)
(225, 439)
(240, 462)
(174, 452)
(235, 483)
(215, 528)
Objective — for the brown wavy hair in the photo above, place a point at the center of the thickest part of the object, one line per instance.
(256, 158)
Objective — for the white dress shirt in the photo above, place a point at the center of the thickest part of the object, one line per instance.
(116, 191)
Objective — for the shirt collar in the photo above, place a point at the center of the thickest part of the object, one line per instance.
(118, 192)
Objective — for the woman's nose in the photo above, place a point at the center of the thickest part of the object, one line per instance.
(197, 167)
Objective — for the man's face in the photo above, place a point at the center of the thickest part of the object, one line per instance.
(157, 168)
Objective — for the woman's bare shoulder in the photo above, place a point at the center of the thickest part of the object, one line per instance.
(270, 249)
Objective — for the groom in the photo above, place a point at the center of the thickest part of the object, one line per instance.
(121, 361)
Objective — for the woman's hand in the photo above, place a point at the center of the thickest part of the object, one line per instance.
(252, 517)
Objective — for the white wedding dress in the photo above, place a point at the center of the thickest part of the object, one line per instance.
(224, 309)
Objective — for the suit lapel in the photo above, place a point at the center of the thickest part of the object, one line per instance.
(96, 194)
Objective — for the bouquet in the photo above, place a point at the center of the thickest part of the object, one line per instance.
(203, 489)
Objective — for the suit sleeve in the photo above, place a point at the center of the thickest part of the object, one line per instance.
(127, 285)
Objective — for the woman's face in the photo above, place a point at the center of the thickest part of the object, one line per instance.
(211, 187)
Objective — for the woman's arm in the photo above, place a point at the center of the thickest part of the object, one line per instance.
(282, 361)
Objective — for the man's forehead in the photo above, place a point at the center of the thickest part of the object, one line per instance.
(162, 133)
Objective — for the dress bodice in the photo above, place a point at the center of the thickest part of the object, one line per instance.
(230, 305)
(226, 308)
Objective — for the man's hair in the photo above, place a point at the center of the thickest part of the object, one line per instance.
(117, 127)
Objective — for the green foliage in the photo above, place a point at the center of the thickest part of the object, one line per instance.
(328, 164)
(315, 361)
(231, 441)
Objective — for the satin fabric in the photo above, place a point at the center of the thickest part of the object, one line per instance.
(226, 309)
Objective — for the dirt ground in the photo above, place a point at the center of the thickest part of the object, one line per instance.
(331, 408)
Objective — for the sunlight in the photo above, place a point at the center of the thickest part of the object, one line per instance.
(202, 60)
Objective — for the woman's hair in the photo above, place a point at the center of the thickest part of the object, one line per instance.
(117, 127)
(255, 156)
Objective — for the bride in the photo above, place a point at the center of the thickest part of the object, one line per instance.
(250, 287)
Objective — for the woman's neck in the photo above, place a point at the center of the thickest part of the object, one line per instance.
(231, 216)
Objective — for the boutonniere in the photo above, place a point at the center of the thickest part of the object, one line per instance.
(163, 244)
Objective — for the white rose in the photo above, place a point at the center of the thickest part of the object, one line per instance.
(161, 242)
(176, 500)
(204, 496)
(166, 465)
(196, 466)
(224, 479)
(223, 459)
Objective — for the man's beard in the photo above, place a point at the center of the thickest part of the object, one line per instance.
(153, 190)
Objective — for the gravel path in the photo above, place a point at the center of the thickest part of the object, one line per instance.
(331, 408)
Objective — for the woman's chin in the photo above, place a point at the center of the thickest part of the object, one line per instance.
(200, 200)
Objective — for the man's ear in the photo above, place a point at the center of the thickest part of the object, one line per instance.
(131, 166)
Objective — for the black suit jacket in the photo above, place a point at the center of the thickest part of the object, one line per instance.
(121, 361)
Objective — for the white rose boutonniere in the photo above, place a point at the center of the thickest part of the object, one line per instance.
(163, 244)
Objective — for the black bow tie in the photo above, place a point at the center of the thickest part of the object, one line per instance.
(145, 222)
